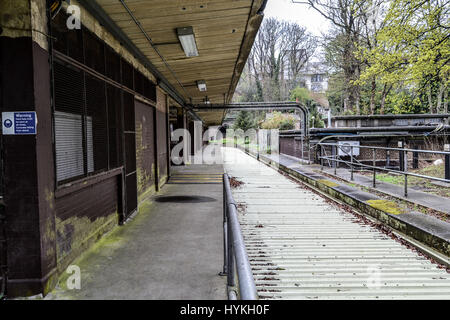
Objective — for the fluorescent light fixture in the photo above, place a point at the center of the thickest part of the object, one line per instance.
(201, 85)
(187, 39)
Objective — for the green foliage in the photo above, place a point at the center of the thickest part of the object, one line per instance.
(244, 121)
(412, 52)
(280, 121)
(413, 44)
(315, 118)
(404, 101)
(287, 125)
(303, 95)
(335, 93)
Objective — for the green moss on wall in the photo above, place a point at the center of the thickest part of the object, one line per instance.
(328, 183)
(76, 234)
(386, 206)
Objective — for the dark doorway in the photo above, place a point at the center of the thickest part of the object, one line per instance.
(129, 155)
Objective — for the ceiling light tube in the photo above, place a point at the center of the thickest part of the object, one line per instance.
(201, 85)
(187, 40)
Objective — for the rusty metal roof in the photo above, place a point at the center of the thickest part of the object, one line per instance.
(302, 247)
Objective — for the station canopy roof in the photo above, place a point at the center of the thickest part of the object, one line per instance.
(224, 33)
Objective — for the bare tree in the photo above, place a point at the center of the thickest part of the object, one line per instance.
(301, 47)
(347, 17)
(280, 51)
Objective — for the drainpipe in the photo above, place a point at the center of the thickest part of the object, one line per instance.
(3, 243)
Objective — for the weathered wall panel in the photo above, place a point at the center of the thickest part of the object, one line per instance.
(145, 149)
(161, 134)
(28, 167)
(84, 215)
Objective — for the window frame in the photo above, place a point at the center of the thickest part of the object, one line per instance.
(148, 94)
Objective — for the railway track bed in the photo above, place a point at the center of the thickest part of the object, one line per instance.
(300, 246)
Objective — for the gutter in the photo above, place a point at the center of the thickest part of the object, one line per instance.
(251, 30)
(263, 7)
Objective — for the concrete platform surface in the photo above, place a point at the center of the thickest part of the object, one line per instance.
(170, 250)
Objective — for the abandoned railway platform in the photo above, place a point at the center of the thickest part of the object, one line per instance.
(297, 243)
(96, 99)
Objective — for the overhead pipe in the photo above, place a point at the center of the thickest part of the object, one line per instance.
(278, 105)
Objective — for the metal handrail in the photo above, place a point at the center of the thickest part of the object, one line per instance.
(235, 254)
(393, 149)
(404, 151)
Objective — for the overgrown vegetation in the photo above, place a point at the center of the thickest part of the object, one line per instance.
(280, 121)
(382, 56)
(387, 56)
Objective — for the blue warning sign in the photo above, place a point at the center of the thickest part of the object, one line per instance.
(18, 123)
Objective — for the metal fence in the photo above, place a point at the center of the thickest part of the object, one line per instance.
(235, 256)
(353, 163)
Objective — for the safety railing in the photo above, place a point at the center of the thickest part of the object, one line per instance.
(235, 255)
(334, 159)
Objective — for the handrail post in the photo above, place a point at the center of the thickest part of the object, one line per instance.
(321, 157)
(401, 156)
(334, 159)
(374, 182)
(257, 144)
(309, 152)
(405, 166)
(302, 149)
(447, 161)
(388, 158)
(225, 230)
(415, 162)
(351, 162)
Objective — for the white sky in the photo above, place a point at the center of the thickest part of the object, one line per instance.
(300, 13)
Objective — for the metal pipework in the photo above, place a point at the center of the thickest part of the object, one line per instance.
(237, 257)
(276, 105)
